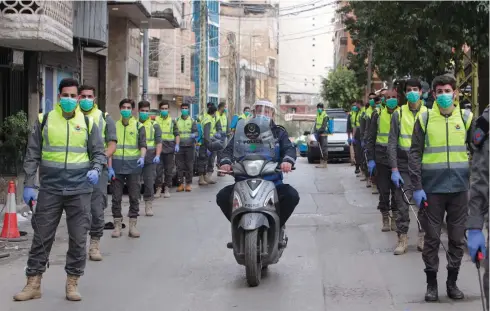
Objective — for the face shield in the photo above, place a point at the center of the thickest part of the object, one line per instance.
(264, 109)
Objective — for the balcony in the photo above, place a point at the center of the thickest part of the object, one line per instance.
(37, 25)
(147, 14)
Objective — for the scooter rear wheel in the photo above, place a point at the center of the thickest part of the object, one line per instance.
(253, 262)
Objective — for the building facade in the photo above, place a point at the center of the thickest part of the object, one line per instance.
(254, 27)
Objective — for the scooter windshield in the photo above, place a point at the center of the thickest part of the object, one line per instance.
(254, 140)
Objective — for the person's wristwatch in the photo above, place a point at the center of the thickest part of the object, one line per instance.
(97, 169)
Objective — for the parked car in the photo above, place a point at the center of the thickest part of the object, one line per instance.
(338, 147)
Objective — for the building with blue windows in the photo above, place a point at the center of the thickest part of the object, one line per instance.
(212, 59)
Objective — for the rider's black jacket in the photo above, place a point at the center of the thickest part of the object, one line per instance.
(287, 150)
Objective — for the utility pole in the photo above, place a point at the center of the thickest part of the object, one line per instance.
(238, 107)
(370, 71)
(203, 55)
(146, 60)
(231, 74)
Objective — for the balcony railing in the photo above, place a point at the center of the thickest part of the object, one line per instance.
(37, 25)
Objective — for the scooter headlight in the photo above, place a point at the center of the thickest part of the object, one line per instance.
(254, 167)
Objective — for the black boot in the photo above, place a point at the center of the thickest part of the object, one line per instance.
(431, 294)
(357, 171)
(453, 291)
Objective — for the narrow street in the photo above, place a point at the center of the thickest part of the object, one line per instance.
(337, 259)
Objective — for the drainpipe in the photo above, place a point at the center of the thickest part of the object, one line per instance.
(146, 58)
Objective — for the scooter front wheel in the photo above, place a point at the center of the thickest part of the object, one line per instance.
(253, 262)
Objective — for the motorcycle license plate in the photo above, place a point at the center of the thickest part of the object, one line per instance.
(336, 149)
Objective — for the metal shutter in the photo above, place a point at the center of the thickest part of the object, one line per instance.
(91, 70)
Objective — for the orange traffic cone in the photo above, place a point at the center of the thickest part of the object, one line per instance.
(10, 230)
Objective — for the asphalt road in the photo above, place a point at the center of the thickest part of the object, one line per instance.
(337, 259)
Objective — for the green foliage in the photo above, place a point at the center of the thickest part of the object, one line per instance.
(14, 134)
(413, 37)
(340, 89)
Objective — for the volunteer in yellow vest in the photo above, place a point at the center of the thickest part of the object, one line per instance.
(206, 158)
(355, 123)
(127, 162)
(185, 157)
(399, 142)
(222, 121)
(439, 171)
(107, 129)
(153, 150)
(245, 115)
(170, 146)
(67, 148)
(321, 131)
(364, 130)
(377, 145)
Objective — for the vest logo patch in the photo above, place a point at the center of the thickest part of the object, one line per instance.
(131, 133)
(77, 128)
(458, 127)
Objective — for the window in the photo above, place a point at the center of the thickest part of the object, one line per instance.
(313, 65)
(182, 63)
(313, 25)
(154, 49)
(312, 59)
(314, 39)
(313, 44)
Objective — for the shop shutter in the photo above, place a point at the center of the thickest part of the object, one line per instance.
(91, 70)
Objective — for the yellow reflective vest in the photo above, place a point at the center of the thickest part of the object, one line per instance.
(99, 118)
(320, 117)
(384, 124)
(209, 119)
(406, 120)
(127, 151)
(445, 158)
(167, 127)
(224, 122)
(150, 134)
(355, 117)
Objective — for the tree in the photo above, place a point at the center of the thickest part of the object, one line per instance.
(416, 38)
(340, 88)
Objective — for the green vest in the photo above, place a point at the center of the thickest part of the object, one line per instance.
(127, 140)
(355, 119)
(384, 124)
(445, 165)
(368, 112)
(209, 119)
(319, 119)
(223, 121)
(185, 129)
(150, 133)
(406, 120)
(167, 127)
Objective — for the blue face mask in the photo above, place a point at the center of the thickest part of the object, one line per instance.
(247, 113)
(126, 113)
(355, 108)
(263, 118)
(320, 110)
(425, 95)
(86, 104)
(371, 102)
(68, 104)
(164, 113)
(225, 111)
(185, 112)
(391, 103)
(144, 115)
(413, 97)
(445, 100)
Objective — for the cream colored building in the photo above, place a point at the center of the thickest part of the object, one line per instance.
(255, 26)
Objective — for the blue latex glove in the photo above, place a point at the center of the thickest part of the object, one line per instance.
(371, 166)
(177, 148)
(354, 141)
(156, 159)
(349, 140)
(209, 153)
(419, 196)
(93, 177)
(476, 241)
(397, 179)
(112, 174)
(217, 135)
(141, 162)
(362, 144)
(29, 194)
(193, 135)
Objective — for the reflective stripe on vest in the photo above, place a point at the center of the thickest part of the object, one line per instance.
(127, 140)
(406, 121)
(209, 119)
(319, 119)
(185, 127)
(384, 124)
(150, 134)
(98, 117)
(223, 121)
(445, 139)
(167, 127)
(64, 142)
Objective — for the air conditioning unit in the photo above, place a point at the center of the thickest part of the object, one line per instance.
(184, 24)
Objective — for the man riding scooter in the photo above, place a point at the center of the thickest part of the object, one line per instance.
(288, 196)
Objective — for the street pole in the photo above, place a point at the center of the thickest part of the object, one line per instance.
(146, 60)
(370, 71)
(231, 74)
(203, 64)
(238, 107)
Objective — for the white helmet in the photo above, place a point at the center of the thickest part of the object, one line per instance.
(264, 108)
